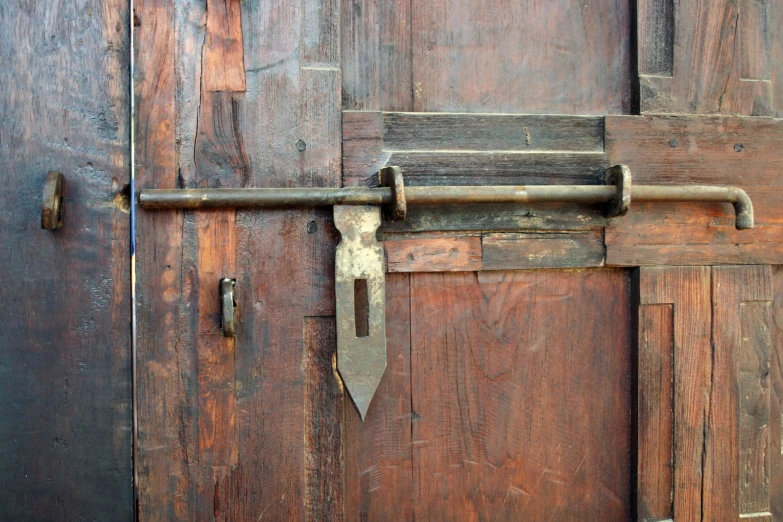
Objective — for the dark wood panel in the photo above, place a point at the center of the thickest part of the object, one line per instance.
(544, 57)
(714, 325)
(65, 350)
(215, 413)
(741, 152)
(705, 58)
(491, 132)
(513, 412)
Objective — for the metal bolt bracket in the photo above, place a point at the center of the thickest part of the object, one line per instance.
(228, 307)
(52, 202)
(361, 360)
(398, 208)
(620, 177)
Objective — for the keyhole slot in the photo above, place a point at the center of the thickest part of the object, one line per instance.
(361, 306)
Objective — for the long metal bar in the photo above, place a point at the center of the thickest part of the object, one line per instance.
(437, 195)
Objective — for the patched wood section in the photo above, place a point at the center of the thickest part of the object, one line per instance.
(65, 346)
(707, 58)
(206, 401)
(743, 152)
(438, 254)
(704, 346)
(513, 414)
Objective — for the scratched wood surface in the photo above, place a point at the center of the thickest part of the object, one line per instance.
(65, 356)
(704, 446)
(237, 94)
(712, 57)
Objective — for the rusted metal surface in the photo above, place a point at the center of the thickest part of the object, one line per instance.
(397, 209)
(620, 177)
(228, 307)
(397, 200)
(52, 202)
(361, 361)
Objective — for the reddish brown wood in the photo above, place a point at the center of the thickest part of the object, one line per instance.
(655, 424)
(515, 416)
(720, 345)
(223, 59)
(436, 254)
(378, 453)
(705, 150)
(65, 352)
(705, 58)
(544, 57)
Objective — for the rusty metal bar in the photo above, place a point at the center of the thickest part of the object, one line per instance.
(446, 195)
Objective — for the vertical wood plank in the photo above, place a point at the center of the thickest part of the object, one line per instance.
(776, 396)
(378, 454)
(514, 414)
(223, 55)
(738, 472)
(323, 422)
(65, 347)
(687, 290)
(656, 412)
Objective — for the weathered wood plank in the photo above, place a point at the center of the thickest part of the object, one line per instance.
(776, 396)
(542, 250)
(486, 217)
(492, 168)
(378, 451)
(513, 413)
(521, 57)
(775, 29)
(704, 58)
(410, 131)
(655, 428)
(223, 55)
(741, 152)
(376, 41)
(323, 422)
(65, 347)
(438, 254)
(687, 290)
(737, 474)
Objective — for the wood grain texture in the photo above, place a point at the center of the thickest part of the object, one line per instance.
(542, 250)
(513, 413)
(378, 453)
(207, 404)
(436, 254)
(542, 57)
(655, 421)
(741, 152)
(714, 324)
(223, 54)
(323, 422)
(65, 352)
(705, 58)
(776, 397)
(687, 290)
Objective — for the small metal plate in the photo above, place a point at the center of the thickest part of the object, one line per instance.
(361, 361)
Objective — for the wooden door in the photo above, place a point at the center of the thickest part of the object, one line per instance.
(544, 363)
